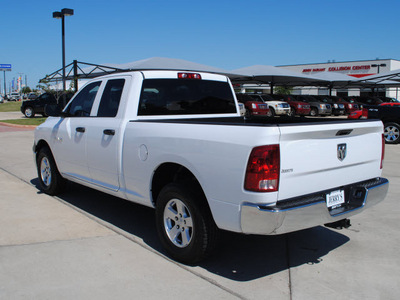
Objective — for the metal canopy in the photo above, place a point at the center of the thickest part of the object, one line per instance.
(334, 79)
(76, 71)
(383, 78)
(79, 70)
(273, 75)
(162, 63)
(257, 74)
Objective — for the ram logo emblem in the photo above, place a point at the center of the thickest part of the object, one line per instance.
(341, 151)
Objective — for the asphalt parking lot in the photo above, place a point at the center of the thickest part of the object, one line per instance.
(89, 245)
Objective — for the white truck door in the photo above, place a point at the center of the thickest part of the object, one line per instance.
(104, 136)
(71, 133)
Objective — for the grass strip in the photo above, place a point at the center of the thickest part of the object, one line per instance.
(10, 106)
(33, 121)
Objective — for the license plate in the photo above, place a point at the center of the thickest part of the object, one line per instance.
(335, 199)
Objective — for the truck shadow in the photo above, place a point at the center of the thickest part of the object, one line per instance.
(238, 257)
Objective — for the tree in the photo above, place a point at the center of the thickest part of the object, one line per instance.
(283, 90)
(26, 90)
(44, 84)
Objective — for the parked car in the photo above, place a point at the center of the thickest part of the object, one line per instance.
(357, 114)
(350, 103)
(366, 100)
(253, 107)
(390, 116)
(338, 109)
(317, 107)
(14, 96)
(36, 106)
(276, 107)
(296, 107)
(389, 101)
(1, 99)
(242, 109)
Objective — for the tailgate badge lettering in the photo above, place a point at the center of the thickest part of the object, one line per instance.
(341, 151)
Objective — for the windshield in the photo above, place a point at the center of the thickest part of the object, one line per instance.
(185, 97)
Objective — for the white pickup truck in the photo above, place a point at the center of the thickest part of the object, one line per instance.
(175, 141)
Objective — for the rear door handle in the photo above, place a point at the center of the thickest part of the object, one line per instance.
(80, 129)
(109, 131)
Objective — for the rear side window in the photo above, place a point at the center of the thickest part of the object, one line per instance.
(83, 102)
(185, 97)
(111, 97)
(47, 98)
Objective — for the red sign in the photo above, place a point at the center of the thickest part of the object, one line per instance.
(339, 69)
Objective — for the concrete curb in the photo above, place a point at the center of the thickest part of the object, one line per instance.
(17, 125)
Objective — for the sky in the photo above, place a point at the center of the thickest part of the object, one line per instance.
(224, 34)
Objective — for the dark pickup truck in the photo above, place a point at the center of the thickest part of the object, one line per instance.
(36, 106)
(390, 116)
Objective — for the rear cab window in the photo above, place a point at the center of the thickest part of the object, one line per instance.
(168, 96)
(111, 98)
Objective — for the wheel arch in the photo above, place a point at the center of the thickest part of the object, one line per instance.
(40, 145)
(173, 172)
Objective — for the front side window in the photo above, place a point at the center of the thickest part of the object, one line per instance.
(83, 102)
(185, 97)
(111, 97)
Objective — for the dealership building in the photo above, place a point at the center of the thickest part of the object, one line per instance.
(354, 69)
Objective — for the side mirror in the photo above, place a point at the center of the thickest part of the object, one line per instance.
(52, 110)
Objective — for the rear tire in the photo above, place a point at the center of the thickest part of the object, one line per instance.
(392, 133)
(50, 180)
(184, 223)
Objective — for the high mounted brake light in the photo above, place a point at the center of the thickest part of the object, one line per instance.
(263, 167)
(383, 150)
(189, 76)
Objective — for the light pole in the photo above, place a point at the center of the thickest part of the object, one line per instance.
(376, 65)
(61, 15)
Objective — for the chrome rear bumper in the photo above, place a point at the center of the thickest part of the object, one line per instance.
(311, 210)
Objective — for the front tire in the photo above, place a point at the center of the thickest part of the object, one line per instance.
(314, 112)
(29, 112)
(50, 180)
(392, 133)
(271, 112)
(184, 223)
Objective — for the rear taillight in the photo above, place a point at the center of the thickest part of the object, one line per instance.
(383, 150)
(262, 173)
(189, 76)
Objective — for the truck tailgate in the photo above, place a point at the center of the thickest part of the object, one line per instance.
(327, 156)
